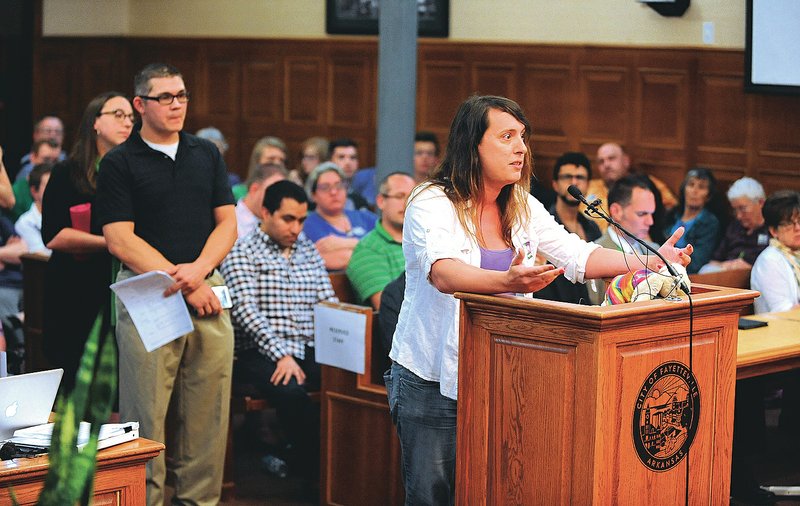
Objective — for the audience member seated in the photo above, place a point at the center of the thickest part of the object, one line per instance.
(11, 247)
(426, 155)
(698, 204)
(276, 276)
(47, 128)
(391, 301)
(776, 272)
(378, 257)
(334, 230)
(613, 163)
(266, 150)
(344, 153)
(29, 225)
(570, 168)
(43, 151)
(248, 209)
(746, 236)
(313, 151)
(6, 191)
(631, 203)
(215, 136)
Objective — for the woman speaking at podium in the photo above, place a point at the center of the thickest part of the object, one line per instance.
(474, 227)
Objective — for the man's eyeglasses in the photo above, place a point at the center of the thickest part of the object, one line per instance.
(329, 187)
(570, 177)
(791, 223)
(168, 98)
(399, 196)
(119, 115)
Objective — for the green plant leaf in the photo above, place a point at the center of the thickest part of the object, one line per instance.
(70, 477)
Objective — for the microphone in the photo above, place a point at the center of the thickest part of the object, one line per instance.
(576, 193)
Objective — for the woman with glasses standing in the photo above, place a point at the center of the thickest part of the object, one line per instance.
(334, 230)
(79, 270)
(776, 272)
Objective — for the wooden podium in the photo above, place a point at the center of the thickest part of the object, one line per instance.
(567, 404)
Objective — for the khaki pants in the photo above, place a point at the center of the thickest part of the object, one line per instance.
(191, 378)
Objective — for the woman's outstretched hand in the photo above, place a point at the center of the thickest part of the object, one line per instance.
(674, 254)
(524, 279)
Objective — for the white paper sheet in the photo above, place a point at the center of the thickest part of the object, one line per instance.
(339, 338)
(158, 319)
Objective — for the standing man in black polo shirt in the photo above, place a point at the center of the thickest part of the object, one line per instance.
(164, 202)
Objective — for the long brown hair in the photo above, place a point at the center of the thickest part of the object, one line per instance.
(459, 174)
(84, 151)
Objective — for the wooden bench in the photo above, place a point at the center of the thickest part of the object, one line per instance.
(34, 266)
(736, 278)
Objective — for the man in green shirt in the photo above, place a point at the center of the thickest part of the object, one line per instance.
(378, 257)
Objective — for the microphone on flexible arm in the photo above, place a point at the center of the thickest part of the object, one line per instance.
(592, 206)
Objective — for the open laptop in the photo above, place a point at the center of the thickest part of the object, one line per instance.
(27, 399)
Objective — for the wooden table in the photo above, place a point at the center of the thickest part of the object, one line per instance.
(769, 349)
(119, 479)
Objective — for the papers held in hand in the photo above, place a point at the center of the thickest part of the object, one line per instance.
(158, 319)
(111, 434)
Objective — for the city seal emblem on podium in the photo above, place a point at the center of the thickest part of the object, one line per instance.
(666, 415)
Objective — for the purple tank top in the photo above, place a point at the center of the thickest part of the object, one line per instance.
(496, 259)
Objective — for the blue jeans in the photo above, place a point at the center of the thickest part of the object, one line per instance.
(426, 425)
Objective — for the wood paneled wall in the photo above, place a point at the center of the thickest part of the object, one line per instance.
(671, 108)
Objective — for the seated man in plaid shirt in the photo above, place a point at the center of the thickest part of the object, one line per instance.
(276, 276)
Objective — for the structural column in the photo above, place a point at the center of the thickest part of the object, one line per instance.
(397, 87)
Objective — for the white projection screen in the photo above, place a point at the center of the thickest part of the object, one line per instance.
(772, 52)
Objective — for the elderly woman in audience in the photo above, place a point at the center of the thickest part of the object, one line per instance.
(313, 152)
(79, 270)
(695, 212)
(747, 235)
(776, 272)
(333, 229)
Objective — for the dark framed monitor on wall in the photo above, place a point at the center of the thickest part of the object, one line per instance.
(772, 47)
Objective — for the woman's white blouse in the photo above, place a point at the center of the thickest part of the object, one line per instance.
(772, 275)
(426, 338)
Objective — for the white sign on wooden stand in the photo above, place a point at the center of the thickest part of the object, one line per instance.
(339, 337)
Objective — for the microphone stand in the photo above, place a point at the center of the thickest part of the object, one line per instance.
(575, 192)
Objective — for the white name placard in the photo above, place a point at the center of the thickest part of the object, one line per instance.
(339, 337)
